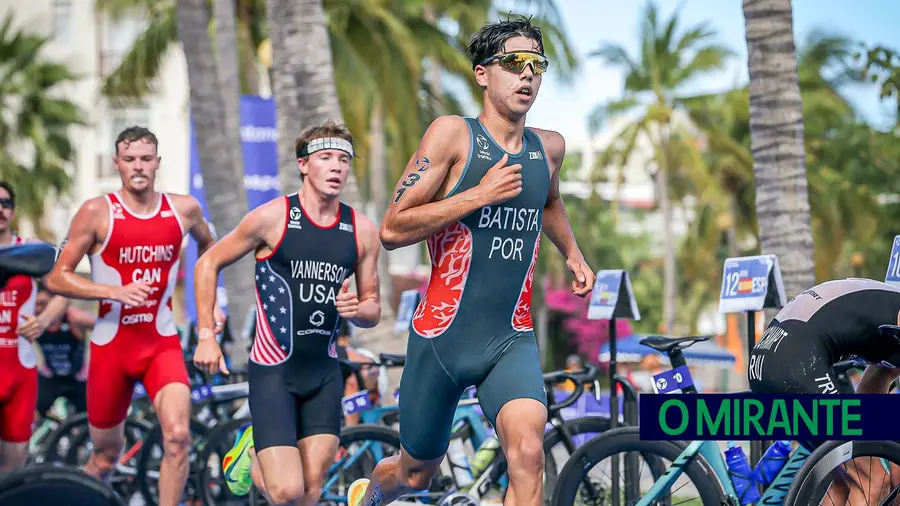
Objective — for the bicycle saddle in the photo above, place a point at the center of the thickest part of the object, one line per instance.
(29, 259)
(667, 344)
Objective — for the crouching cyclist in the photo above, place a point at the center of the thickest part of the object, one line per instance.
(828, 323)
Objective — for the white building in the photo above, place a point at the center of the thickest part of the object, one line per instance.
(92, 44)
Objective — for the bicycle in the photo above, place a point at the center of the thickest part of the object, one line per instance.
(701, 461)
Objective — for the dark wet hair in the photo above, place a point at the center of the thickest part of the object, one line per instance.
(135, 133)
(9, 189)
(492, 37)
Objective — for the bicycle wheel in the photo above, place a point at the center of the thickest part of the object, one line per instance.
(60, 440)
(151, 456)
(576, 471)
(556, 451)
(811, 483)
(51, 484)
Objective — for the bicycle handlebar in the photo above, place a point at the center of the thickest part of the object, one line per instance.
(579, 378)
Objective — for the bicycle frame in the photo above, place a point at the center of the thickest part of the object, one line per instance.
(774, 495)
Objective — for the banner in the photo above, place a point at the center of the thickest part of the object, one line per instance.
(259, 141)
(749, 417)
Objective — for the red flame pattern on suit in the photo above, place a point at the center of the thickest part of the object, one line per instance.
(521, 319)
(451, 258)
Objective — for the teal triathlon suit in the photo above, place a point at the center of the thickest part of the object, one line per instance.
(63, 352)
(473, 325)
(295, 380)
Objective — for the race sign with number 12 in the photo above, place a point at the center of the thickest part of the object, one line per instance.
(893, 273)
(746, 284)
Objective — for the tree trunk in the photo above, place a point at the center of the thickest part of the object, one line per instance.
(225, 196)
(776, 133)
(669, 254)
(303, 82)
(378, 184)
(228, 71)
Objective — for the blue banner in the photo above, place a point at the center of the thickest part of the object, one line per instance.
(259, 141)
(748, 417)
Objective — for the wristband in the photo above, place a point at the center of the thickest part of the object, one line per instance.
(204, 334)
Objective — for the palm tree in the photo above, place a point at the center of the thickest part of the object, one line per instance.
(218, 147)
(34, 128)
(668, 59)
(776, 132)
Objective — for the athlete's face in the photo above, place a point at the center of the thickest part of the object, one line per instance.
(7, 211)
(509, 91)
(137, 164)
(40, 303)
(326, 171)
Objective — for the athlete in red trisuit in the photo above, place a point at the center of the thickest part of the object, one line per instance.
(133, 238)
(18, 327)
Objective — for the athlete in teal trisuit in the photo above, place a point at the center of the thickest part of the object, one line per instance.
(479, 191)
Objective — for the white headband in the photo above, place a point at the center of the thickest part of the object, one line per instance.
(323, 143)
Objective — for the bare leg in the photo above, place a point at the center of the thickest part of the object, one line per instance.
(108, 445)
(520, 426)
(173, 406)
(399, 475)
(12, 455)
(317, 453)
(281, 470)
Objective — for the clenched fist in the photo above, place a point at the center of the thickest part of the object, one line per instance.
(501, 182)
(347, 302)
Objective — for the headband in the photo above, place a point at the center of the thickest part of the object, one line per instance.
(323, 143)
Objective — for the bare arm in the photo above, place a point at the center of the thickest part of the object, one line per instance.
(63, 280)
(412, 216)
(54, 310)
(556, 220)
(367, 284)
(82, 321)
(247, 237)
(197, 226)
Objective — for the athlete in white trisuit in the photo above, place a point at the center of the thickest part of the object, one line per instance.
(133, 238)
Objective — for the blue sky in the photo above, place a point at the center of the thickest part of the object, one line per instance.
(564, 107)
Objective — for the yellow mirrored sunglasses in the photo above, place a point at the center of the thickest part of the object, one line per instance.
(517, 61)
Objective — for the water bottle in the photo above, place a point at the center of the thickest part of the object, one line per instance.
(740, 473)
(456, 453)
(485, 455)
(772, 462)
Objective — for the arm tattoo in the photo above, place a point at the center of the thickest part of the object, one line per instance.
(422, 164)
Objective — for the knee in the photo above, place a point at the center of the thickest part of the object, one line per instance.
(177, 438)
(285, 492)
(526, 455)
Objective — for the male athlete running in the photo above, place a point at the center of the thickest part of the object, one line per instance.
(18, 327)
(306, 246)
(482, 221)
(133, 238)
(834, 321)
(62, 356)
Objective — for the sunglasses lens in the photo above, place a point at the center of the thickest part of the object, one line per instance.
(518, 61)
(6, 204)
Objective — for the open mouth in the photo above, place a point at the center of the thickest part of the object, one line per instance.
(524, 92)
(333, 180)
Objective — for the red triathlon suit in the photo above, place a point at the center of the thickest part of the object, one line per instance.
(131, 344)
(18, 375)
